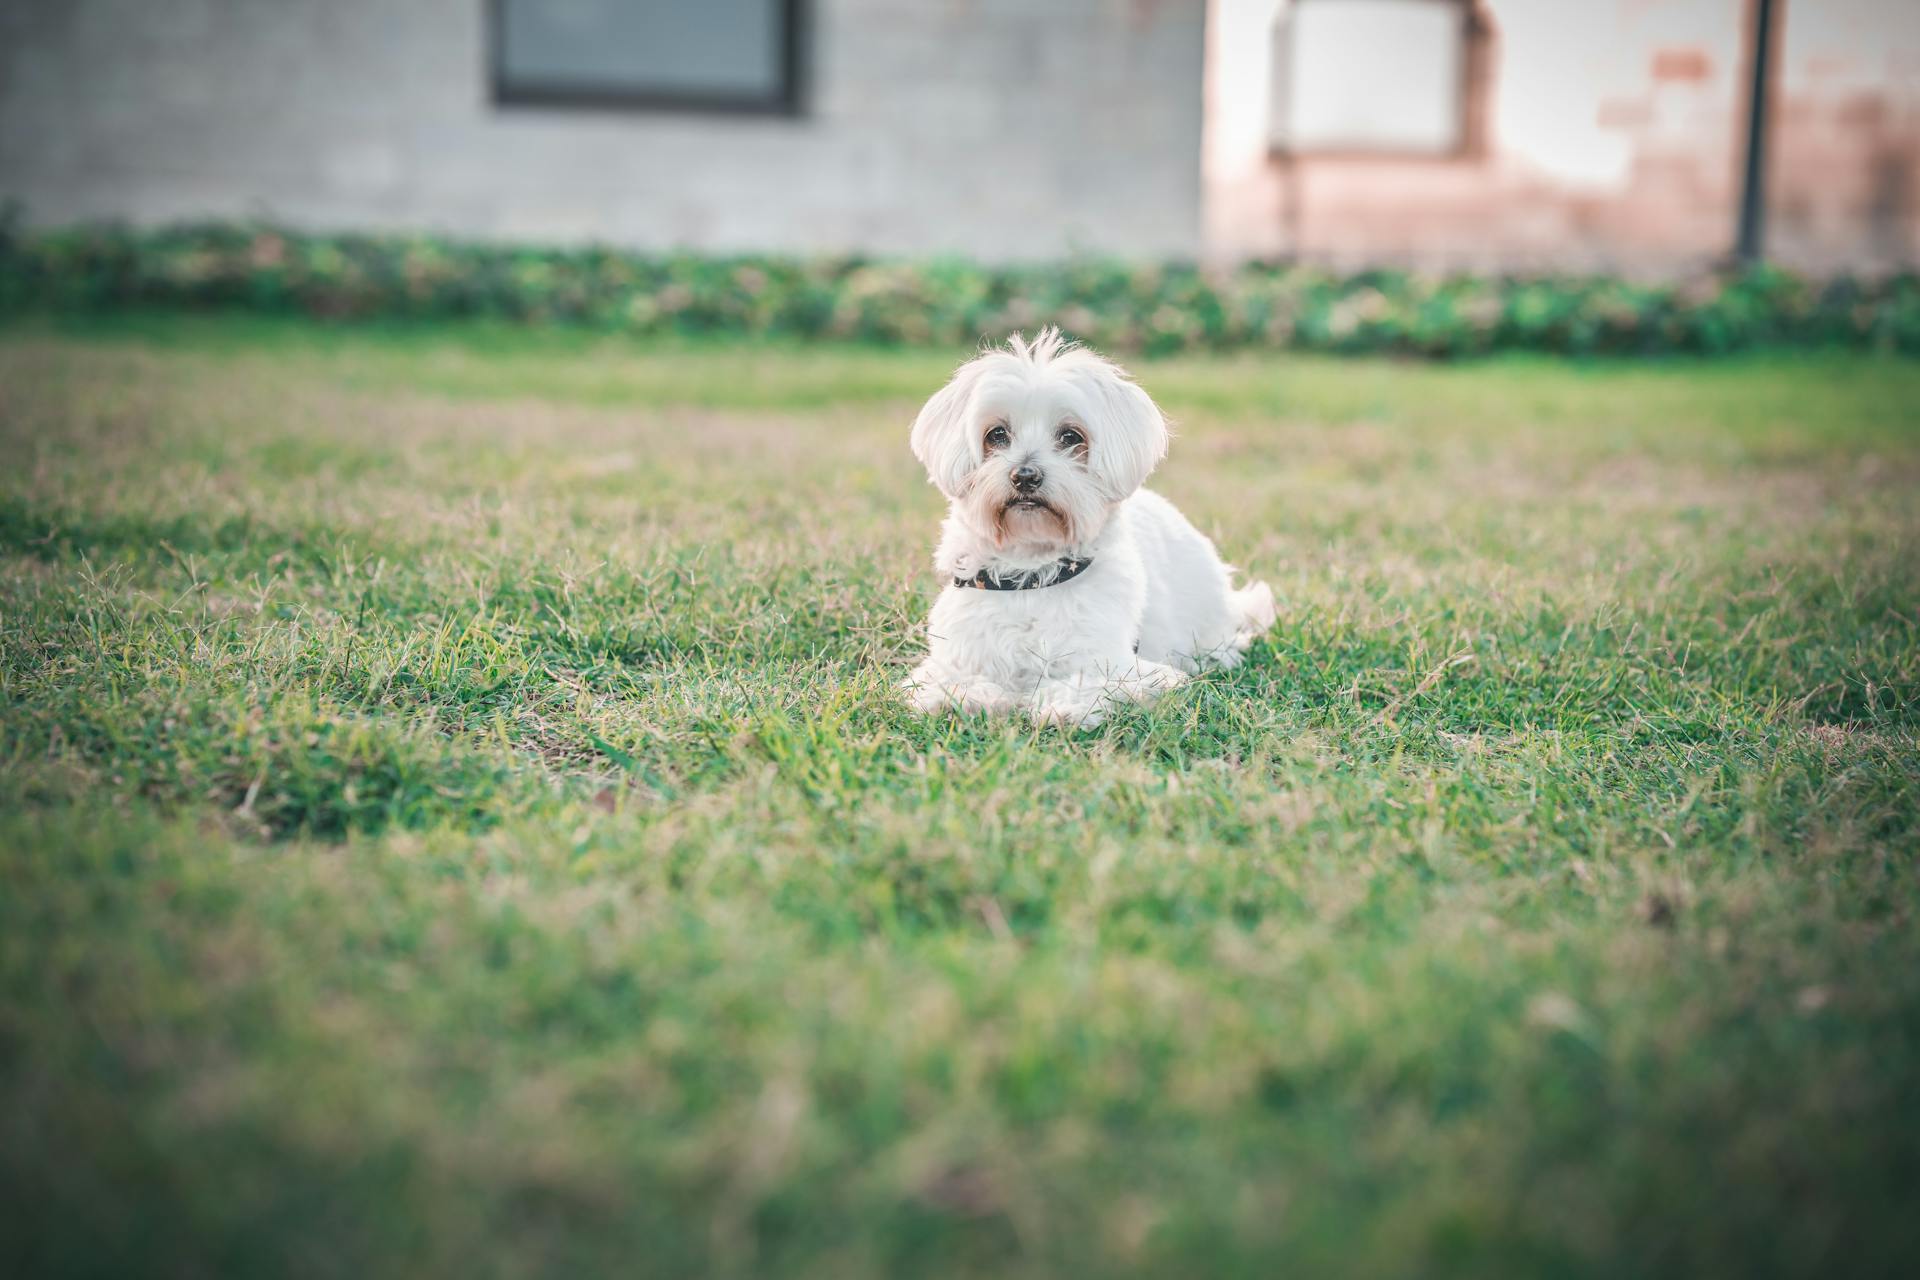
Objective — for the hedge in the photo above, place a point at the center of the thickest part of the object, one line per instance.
(1128, 307)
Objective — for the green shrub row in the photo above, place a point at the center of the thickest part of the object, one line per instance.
(1128, 307)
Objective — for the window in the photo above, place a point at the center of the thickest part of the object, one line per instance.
(1397, 77)
(723, 55)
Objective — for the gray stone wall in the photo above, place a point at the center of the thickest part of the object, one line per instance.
(995, 128)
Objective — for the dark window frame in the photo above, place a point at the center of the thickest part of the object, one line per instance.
(788, 100)
(1476, 90)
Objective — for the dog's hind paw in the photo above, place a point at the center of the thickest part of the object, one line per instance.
(1254, 603)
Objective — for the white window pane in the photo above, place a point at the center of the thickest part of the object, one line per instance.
(1373, 75)
(723, 47)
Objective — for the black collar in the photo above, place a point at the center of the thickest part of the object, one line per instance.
(1052, 576)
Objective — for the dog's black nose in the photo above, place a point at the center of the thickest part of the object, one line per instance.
(1026, 477)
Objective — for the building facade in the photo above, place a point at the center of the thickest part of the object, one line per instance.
(1002, 129)
(1550, 134)
(1478, 134)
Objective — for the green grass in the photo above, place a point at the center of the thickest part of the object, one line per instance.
(455, 818)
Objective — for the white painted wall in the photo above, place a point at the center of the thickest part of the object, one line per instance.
(1597, 158)
(1556, 61)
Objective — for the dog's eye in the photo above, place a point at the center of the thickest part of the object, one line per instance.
(1069, 438)
(997, 437)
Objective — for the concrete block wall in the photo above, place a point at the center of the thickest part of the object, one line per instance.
(1001, 129)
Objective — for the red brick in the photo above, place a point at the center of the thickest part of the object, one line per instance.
(1691, 66)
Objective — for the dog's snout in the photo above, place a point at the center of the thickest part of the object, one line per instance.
(1026, 477)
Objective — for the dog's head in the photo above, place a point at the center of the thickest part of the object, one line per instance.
(1037, 443)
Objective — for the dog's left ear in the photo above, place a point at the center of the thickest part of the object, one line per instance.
(943, 438)
(1131, 434)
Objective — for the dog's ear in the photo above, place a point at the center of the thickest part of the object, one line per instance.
(942, 434)
(1131, 435)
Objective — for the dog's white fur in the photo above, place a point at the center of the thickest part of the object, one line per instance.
(1156, 605)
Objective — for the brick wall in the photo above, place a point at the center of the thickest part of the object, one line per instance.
(1615, 139)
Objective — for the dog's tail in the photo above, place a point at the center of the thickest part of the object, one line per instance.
(1254, 604)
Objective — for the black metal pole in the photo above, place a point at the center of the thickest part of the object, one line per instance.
(1753, 194)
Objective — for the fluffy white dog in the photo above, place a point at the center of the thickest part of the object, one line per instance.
(1069, 587)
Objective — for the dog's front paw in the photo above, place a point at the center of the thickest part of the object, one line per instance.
(927, 692)
(1150, 678)
(1074, 703)
(926, 698)
(1068, 715)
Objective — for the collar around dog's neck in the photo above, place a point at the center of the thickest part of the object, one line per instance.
(1053, 575)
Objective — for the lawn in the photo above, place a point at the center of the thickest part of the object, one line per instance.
(456, 819)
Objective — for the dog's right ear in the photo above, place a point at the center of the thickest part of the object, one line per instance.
(943, 437)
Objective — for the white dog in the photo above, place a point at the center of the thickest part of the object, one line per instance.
(1069, 587)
